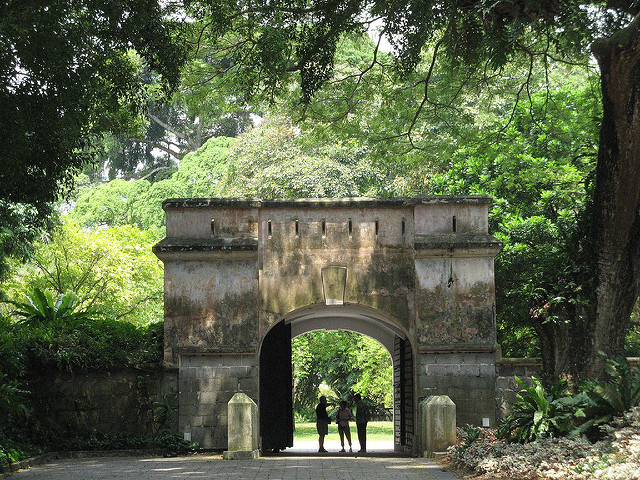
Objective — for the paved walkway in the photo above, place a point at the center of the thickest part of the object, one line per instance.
(300, 462)
(212, 467)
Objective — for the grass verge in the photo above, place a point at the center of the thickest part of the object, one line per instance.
(375, 431)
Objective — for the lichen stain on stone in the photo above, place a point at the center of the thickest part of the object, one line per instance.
(230, 322)
(455, 325)
(478, 295)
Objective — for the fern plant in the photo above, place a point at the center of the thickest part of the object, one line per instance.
(610, 398)
(540, 413)
(39, 307)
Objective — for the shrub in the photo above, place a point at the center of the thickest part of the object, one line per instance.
(11, 398)
(39, 307)
(610, 398)
(11, 451)
(474, 445)
(540, 413)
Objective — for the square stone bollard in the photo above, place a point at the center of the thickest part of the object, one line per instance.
(437, 424)
(242, 428)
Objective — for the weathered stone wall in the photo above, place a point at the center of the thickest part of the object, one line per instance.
(506, 385)
(210, 305)
(467, 378)
(370, 243)
(207, 383)
(108, 402)
(455, 292)
(234, 268)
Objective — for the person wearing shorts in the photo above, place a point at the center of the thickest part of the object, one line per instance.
(322, 422)
(342, 418)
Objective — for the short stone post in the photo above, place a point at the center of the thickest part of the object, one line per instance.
(242, 428)
(438, 424)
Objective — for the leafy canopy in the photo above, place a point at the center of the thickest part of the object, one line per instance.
(110, 269)
(68, 72)
(348, 363)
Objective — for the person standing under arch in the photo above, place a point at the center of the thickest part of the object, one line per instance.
(322, 422)
(362, 417)
(342, 419)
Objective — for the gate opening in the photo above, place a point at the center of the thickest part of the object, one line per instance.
(279, 396)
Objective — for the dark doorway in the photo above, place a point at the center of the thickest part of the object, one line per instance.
(276, 385)
(403, 395)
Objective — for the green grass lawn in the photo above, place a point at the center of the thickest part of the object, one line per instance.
(375, 431)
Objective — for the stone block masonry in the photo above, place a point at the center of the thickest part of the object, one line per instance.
(206, 384)
(467, 378)
(119, 401)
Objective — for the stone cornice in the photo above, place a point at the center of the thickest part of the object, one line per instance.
(357, 202)
(456, 244)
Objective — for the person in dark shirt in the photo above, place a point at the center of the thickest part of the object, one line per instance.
(362, 417)
(322, 422)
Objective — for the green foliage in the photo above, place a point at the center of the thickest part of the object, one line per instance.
(201, 172)
(12, 451)
(112, 203)
(537, 170)
(270, 161)
(40, 307)
(97, 440)
(110, 271)
(612, 397)
(69, 75)
(301, 43)
(539, 413)
(80, 344)
(347, 362)
(12, 398)
(20, 226)
(275, 161)
(139, 202)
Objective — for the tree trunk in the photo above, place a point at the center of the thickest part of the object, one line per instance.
(614, 236)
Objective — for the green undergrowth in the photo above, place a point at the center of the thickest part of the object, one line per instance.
(12, 451)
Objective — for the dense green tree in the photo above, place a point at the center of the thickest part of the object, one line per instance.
(538, 170)
(346, 362)
(69, 72)
(272, 160)
(275, 160)
(109, 269)
(262, 46)
(20, 225)
(139, 202)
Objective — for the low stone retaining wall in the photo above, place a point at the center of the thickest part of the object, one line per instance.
(115, 402)
(506, 386)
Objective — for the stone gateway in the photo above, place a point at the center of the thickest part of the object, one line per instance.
(243, 277)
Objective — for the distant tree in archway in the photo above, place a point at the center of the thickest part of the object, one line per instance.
(347, 362)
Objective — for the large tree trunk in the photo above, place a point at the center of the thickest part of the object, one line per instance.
(614, 236)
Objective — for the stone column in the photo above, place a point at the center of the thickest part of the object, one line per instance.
(438, 424)
(242, 428)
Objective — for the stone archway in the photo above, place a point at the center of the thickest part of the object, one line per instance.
(276, 410)
(234, 268)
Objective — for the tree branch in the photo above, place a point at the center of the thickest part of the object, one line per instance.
(171, 129)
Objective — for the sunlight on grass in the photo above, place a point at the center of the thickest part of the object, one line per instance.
(375, 431)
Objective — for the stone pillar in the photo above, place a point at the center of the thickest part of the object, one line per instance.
(242, 428)
(437, 424)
